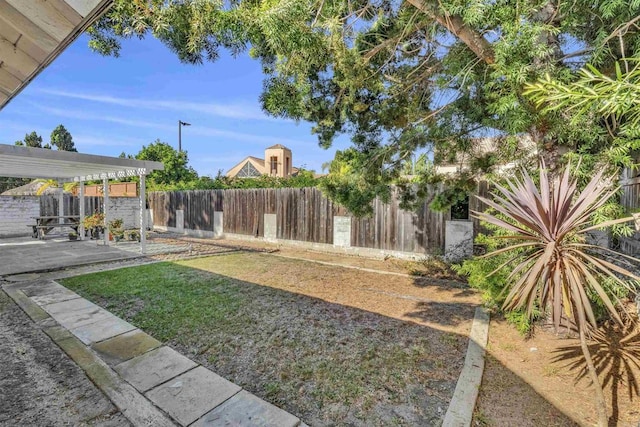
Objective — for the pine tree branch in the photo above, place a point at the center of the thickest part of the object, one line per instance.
(470, 37)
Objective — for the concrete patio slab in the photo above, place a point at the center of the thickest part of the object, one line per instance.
(245, 409)
(125, 346)
(153, 368)
(191, 395)
(26, 255)
(102, 329)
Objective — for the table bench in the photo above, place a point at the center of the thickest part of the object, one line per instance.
(44, 224)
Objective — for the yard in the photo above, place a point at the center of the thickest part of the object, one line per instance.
(339, 345)
(329, 344)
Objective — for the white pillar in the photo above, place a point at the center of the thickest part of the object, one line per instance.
(60, 204)
(105, 184)
(143, 216)
(82, 212)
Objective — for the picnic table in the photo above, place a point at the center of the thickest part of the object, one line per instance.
(44, 224)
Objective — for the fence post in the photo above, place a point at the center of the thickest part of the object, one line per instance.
(342, 231)
(218, 223)
(270, 227)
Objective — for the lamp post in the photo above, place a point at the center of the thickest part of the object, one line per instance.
(180, 124)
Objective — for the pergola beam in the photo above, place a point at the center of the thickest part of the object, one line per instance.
(28, 162)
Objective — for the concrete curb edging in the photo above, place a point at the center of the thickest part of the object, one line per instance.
(463, 403)
(132, 404)
(150, 383)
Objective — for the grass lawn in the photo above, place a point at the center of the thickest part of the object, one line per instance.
(328, 363)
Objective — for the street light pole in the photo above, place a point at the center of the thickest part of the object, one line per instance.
(180, 124)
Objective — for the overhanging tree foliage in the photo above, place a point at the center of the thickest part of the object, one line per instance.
(401, 76)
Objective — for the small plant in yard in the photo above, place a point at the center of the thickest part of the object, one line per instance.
(115, 229)
(551, 267)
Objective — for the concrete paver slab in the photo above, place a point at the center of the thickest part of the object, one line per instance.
(68, 306)
(125, 346)
(102, 329)
(85, 316)
(53, 295)
(191, 395)
(245, 409)
(40, 287)
(153, 368)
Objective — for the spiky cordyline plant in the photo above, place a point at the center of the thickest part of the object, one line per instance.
(555, 266)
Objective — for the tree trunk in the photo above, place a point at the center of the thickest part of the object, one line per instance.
(601, 404)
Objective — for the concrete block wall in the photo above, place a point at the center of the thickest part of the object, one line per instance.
(16, 213)
(126, 208)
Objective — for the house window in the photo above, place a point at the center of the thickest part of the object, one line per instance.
(274, 165)
(287, 167)
(248, 171)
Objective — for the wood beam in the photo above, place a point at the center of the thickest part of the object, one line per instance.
(23, 43)
(44, 15)
(67, 11)
(83, 7)
(27, 28)
(16, 61)
(8, 81)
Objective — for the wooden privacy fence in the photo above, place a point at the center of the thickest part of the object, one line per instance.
(49, 205)
(302, 214)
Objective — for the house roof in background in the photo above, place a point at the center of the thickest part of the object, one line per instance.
(33, 34)
(277, 146)
(29, 162)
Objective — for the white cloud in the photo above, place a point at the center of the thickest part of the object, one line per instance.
(236, 110)
(193, 130)
(81, 115)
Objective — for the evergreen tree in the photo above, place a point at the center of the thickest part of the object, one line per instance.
(62, 139)
(401, 77)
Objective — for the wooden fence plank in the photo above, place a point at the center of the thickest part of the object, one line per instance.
(303, 214)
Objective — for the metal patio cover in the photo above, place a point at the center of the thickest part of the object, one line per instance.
(34, 32)
(28, 162)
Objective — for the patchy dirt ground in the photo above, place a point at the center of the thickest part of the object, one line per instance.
(526, 383)
(39, 384)
(332, 345)
(533, 382)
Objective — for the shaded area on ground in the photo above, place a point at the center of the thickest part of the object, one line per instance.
(616, 356)
(39, 384)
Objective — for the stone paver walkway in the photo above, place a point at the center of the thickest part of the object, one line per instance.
(136, 371)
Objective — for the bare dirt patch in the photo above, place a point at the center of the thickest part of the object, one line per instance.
(530, 382)
(39, 384)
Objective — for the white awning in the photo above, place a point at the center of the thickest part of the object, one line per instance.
(34, 32)
(28, 162)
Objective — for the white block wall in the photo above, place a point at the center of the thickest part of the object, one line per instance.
(126, 208)
(16, 213)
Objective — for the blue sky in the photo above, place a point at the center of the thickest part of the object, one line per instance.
(111, 105)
